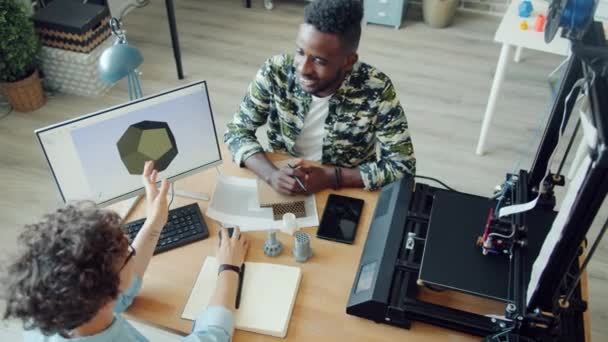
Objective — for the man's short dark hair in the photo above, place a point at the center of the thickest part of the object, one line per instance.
(67, 270)
(341, 17)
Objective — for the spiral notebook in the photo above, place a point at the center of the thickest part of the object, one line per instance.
(267, 296)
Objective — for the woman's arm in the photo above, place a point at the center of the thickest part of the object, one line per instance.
(216, 323)
(157, 213)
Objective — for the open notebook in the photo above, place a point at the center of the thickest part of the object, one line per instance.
(267, 297)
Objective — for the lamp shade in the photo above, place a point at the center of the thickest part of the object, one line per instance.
(118, 61)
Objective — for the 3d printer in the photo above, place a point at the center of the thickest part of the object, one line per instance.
(514, 247)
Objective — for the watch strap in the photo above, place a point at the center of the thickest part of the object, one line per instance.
(224, 267)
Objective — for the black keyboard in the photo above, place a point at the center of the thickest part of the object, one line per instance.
(184, 225)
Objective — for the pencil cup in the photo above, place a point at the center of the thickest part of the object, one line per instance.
(272, 246)
(301, 247)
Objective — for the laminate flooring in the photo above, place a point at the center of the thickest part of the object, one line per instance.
(442, 77)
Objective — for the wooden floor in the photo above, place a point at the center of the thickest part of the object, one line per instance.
(442, 78)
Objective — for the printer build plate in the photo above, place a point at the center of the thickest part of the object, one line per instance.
(451, 257)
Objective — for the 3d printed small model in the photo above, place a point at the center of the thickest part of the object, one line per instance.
(147, 140)
(539, 26)
(297, 208)
(272, 246)
(525, 9)
(290, 223)
(301, 248)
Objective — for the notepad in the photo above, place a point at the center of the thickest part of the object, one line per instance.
(267, 297)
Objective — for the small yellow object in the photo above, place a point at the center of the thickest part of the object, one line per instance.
(523, 25)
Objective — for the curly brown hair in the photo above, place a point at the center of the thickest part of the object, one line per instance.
(68, 269)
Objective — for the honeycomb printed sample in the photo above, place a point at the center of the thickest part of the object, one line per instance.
(296, 208)
(147, 140)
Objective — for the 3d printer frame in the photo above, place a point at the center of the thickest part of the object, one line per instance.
(556, 310)
(553, 312)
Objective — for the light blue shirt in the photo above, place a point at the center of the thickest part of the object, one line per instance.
(216, 324)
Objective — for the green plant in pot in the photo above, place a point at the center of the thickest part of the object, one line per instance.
(19, 46)
(439, 13)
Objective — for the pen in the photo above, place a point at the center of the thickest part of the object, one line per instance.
(238, 292)
(298, 179)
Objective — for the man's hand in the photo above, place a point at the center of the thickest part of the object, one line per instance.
(232, 250)
(156, 201)
(318, 178)
(283, 180)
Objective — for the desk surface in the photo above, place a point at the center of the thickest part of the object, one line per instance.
(320, 309)
(509, 32)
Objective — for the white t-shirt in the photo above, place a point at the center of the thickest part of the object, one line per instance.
(309, 144)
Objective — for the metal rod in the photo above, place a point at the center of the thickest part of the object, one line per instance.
(587, 259)
(130, 85)
(138, 91)
(561, 164)
(551, 134)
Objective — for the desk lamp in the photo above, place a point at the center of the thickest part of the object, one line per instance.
(121, 60)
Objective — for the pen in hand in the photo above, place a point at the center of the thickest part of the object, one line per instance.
(298, 180)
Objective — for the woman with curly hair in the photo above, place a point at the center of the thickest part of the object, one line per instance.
(78, 272)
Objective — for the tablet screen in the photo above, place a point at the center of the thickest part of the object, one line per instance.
(340, 218)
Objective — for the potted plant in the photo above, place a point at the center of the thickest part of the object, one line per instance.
(439, 13)
(19, 46)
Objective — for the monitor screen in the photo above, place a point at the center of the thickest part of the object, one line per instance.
(100, 156)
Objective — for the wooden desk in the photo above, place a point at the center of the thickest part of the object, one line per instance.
(320, 310)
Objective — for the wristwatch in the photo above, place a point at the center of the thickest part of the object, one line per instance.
(241, 273)
(224, 267)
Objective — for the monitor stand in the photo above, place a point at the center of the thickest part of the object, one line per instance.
(200, 196)
(125, 207)
(193, 195)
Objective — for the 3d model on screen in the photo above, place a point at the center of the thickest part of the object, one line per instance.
(147, 140)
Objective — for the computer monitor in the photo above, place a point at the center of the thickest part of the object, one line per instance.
(100, 156)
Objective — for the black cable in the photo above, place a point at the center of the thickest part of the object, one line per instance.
(438, 181)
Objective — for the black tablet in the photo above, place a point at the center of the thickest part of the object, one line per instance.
(340, 219)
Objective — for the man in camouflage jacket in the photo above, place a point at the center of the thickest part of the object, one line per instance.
(366, 140)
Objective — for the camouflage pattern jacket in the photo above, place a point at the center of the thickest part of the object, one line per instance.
(363, 112)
